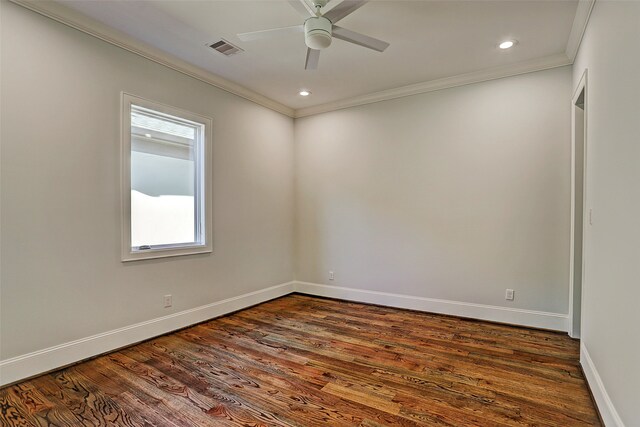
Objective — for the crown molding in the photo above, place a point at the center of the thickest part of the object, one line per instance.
(583, 12)
(539, 64)
(78, 21)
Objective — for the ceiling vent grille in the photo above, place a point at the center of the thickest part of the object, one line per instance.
(225, 48)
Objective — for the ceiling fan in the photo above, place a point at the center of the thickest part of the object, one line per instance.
(319, 28)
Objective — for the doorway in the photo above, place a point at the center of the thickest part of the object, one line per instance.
(578, 164)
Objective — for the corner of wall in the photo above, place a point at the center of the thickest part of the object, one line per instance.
(605, 406)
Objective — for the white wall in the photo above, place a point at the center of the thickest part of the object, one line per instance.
(456, 194)
(611, 290)
(61, 274)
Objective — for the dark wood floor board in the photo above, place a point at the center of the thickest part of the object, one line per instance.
(407, 319)
(288, 385)
(477, 347)
(164, 398)
(445, 384)
(370, 367)
(230, 372)
(336, 344)
(211, 379)
(224, 390)
(274, 362)
(196, 407)
(307, 361)
(528, 386)
(484, 341)
(151, 410)
(280, 388)
(65, 391)
(35, 405)
(443, 396)
(48, 410)
(347, 345)
(573, 365)
(13, 412)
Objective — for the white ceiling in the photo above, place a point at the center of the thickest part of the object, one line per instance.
(429, 40)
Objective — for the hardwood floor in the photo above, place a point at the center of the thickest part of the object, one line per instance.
(304, 361)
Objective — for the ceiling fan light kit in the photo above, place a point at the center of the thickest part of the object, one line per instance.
(317, 33)
(319, 29)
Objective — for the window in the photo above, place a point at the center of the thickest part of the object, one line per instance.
(166, 178)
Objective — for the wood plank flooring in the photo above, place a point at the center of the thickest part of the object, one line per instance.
(305, 361)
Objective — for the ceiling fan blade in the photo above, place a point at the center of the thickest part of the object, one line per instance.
(303, 8)
(359, 39)
(268, 34)
(313, 56)
(344, 9)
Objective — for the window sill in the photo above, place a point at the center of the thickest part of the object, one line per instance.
(165, 253)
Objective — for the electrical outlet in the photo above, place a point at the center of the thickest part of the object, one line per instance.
(168, 301)
(331, 276)
(509, 295)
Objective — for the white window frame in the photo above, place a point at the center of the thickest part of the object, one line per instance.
(204, 190)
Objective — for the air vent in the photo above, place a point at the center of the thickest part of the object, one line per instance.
(225, 48)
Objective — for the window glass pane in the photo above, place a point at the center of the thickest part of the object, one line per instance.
(164, 174)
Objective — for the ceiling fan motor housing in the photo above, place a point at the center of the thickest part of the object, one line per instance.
(317, 33)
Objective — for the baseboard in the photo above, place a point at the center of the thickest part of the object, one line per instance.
(35, 363)
(607, 411)
(38, 362)
(514, 316)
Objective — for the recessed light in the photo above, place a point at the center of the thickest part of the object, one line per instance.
(148, 135)
(304, 93)
(507, 44)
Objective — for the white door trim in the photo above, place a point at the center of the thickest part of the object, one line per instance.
(582, 85)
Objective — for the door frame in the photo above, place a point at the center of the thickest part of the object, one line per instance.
(582, 86)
